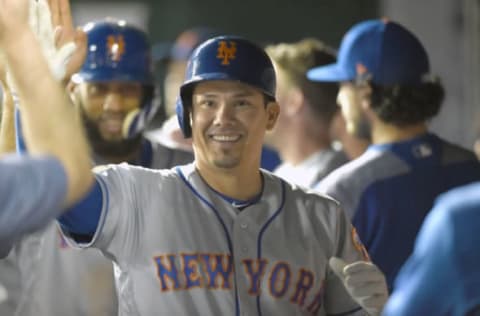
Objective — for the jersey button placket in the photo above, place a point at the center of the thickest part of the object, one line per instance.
(244, 242)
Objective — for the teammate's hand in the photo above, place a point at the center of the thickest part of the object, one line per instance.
(364, 282)
(13, 17)
(64, 47)
(3, 71)
(66, 33)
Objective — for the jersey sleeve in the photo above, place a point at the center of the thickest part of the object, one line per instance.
(346, 245)
(429, 272)
(125, 190)
(32, 191)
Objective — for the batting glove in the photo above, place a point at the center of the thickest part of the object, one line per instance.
(40, 19)
(364, 282)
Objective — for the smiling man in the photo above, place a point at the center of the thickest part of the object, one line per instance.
(220, 236)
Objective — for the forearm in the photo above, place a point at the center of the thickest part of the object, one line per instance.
(7, 128)
(49, 120)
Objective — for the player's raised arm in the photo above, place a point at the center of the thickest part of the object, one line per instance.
(60, 135)
(7, 129)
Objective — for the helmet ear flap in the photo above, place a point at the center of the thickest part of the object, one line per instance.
(183, 116)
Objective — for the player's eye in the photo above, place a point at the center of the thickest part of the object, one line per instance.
(97, 89)
(207, 103)
(242, 102)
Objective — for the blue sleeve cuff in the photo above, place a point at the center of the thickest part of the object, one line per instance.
(19, 140)
(82, 218)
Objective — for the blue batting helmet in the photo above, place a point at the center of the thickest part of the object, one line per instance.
(225, 58)
(120, 52)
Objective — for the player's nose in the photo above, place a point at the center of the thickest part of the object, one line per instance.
(224, 113)
(113, 102)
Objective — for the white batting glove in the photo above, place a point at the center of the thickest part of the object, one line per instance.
(364, 282)
(41, 23)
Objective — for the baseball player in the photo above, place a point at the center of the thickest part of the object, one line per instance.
(114, 93)
(302, 132)
(441, 277)
(220, 236)
(176, 64)
(387, 92)
(57, 171)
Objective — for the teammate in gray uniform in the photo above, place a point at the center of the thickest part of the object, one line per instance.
(54, 278)
(220, 236)
(302, 132)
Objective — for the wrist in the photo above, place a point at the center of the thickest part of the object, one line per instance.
(14, 42)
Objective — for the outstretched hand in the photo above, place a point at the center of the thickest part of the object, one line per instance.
(63, 45)
(13, 16)
(65, 32)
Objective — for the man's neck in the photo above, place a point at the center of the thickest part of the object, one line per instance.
(236, 183)
(386, 133)
(298, 146)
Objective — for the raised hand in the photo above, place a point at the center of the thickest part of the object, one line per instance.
(64, 47)
(13, 17)
(66, 33)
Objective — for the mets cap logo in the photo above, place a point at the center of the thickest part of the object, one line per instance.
(226, 51)
(361, 69)
(115, 47)
(363, 73)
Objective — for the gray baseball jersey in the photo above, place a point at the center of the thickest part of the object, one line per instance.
(54, 279)
(313, 169)
(180, 248)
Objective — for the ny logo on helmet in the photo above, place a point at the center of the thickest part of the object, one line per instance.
(226, 52)
(116, 47)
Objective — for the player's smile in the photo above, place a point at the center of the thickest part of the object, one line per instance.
(225, 140)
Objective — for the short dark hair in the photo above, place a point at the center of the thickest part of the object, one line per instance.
(403, 105)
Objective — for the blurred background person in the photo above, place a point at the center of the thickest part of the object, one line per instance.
(302, 133)
(352, 145)
(174, 59)
(441, 276)
(388, 93)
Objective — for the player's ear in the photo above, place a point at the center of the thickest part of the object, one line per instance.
(365, 94)
(273, 110)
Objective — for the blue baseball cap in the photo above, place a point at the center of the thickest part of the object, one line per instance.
(378, 50)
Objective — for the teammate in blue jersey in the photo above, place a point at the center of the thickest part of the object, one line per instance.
(34, 189)
(114, 93)
(442, 276)
(387, 92)
(220, 236)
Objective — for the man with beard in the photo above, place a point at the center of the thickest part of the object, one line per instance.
(388, 93)
(114, 94)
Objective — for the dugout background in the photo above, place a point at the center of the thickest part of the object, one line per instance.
(450, 30)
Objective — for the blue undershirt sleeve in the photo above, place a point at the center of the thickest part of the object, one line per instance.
(19, 140)
(82, 218)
